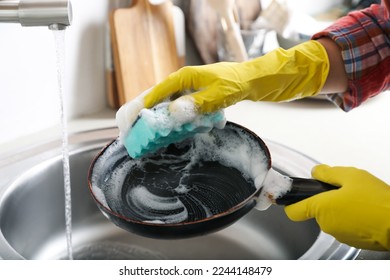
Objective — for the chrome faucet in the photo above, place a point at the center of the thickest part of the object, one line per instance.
(56, 14)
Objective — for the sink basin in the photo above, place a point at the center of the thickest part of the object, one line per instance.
(32, 219)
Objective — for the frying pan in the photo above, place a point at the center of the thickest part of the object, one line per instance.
(192, 188)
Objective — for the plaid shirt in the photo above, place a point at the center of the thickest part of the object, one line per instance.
(364, 38)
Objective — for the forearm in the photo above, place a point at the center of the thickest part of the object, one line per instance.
(337, 80)
(361, 39)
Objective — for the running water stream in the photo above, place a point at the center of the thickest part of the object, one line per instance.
(59, 37)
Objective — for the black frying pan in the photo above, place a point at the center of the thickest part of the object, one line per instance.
(191, 188)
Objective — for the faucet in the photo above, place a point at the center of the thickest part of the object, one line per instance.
(56, 14)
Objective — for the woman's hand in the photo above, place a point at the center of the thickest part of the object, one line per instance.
(277, 76)
(280, 75)
(357, 214)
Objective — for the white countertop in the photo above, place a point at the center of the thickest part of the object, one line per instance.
(324, 132)
(314, 127)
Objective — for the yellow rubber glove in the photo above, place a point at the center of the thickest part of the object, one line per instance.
(280, 75)
(357, 214)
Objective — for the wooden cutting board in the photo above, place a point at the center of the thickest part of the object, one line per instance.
(143, 46)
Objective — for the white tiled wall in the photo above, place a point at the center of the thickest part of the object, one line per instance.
(28, 83)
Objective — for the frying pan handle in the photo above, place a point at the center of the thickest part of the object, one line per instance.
(303, 188)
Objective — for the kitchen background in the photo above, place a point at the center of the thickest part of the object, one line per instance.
(28, 83)
(29, 106)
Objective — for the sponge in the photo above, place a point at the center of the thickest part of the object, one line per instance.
(156, 128)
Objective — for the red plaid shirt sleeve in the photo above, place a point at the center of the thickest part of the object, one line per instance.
(364, 39)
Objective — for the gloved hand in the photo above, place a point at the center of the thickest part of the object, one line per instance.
(280, 75)
(357, 214)
(277, 76)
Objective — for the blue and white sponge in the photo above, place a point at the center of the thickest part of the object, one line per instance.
(157, 127)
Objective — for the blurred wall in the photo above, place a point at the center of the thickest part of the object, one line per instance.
(29, 99)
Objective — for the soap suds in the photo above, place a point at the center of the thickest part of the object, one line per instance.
(149, 205)
(275, 185)
(183, 110)
(127, 115)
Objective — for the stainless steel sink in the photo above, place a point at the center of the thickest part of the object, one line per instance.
(32, 219)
